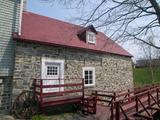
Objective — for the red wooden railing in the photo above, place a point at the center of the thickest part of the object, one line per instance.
(136, 104)
(110, 96)
(123, 103)
(71, 93)
(105, 96)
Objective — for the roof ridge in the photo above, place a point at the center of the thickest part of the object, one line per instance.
(54, 19)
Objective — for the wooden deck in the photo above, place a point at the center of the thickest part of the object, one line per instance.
(131, 104)
(71, 93)
(103, 112)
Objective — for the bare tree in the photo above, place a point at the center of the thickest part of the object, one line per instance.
(127, 19)
(150, 56)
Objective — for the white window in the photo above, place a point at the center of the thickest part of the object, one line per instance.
(52, 70)
(89, 76)
(91, 37)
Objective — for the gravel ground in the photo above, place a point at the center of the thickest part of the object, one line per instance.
(6, 117)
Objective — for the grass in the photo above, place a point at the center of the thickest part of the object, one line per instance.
(143, 76)
(38, 117)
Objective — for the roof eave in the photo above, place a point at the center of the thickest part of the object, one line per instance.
(16, 37)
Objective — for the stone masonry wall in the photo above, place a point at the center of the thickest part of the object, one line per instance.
(5, 94)
(113, 72)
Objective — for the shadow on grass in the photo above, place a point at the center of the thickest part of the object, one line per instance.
(59, 112)
(59, 109)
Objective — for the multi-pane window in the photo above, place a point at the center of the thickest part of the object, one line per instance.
(89, 76)
(52, 70)
(91, 37)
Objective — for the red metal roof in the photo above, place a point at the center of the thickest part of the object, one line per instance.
(41, 29)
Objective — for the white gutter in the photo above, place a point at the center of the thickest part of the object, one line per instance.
(20, 17)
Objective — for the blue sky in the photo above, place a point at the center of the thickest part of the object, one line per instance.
(49, 9)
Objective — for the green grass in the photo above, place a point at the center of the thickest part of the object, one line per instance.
(143, 76)
(38, 117)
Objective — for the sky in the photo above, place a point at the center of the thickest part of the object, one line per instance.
(49, 9)
(60, 12)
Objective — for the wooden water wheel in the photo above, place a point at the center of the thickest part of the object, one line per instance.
(26, 105)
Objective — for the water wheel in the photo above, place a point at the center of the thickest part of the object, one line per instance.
(26, 105)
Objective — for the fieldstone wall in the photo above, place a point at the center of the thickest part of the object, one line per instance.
(5, 94)
(113, 72)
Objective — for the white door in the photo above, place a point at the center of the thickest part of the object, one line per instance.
(51, 75)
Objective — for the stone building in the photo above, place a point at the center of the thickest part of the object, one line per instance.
(42, 47)
(51, 48)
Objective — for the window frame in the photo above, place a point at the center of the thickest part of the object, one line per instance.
(51, 71)
(88, 33)
(89, 69)
(45, 60)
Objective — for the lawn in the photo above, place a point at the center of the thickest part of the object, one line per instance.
(143, 76)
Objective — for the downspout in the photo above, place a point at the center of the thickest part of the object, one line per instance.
(20, 17)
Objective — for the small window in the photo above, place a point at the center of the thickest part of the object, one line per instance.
(52, 70)
(89, 76)
(91, 37)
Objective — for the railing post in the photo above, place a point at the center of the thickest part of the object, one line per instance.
(95, 104)
(149, 100)
(128, 92)
(114, 94)
(117, 111)
(41, 92)
(112, 110)
(158, 95)
(35, 82)
(83, 88)
(129, 95)
(136, 103)
(96, 94)
(59, 80)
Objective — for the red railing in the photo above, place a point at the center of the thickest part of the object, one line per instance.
(109, 96)
(104, 96)
(137, 103)
(59, 93)
(120, 102)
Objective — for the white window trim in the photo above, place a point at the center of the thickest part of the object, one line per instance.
(94, 76)
(61, 62)
(87, 37)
